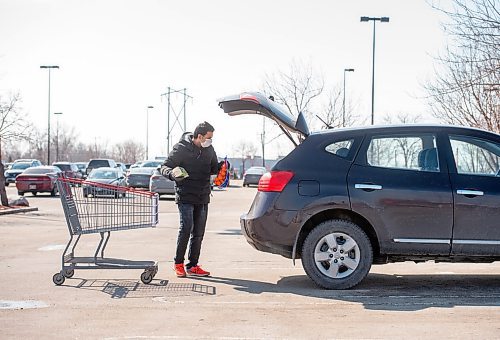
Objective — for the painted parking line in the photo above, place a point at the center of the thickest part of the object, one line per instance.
(51, 247)
(24, 304)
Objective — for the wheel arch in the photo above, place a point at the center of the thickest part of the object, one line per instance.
(331, 214)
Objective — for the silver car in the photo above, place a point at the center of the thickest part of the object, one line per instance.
(139, 177)
(161, 184)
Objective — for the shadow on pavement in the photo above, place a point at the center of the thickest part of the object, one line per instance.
(119, 289)
(388, 292)
(230, 232)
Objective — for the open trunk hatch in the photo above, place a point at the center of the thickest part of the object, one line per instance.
(257, 103)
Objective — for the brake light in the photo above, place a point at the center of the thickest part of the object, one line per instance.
(274, 181)
(249, 98)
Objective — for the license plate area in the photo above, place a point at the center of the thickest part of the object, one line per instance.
(32, 186)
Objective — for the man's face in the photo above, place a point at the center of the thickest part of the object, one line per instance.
(208, 135)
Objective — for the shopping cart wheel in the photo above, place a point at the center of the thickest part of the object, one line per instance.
(58, 279)
(69, 273)
(147, 277)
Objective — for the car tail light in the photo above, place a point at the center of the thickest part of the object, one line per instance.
(274, 181)
(249, 98)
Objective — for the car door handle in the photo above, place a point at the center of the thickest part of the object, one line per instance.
(368, 187)
(470, 192)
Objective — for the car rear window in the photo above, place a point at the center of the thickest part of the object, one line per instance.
(340, 148)
(38, 171)
(98, 164)
(64, 167)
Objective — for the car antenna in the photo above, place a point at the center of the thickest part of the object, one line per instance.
(326, 124)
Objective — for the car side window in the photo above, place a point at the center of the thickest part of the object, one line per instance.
(340, 148)
(415, 152)
(474, 156)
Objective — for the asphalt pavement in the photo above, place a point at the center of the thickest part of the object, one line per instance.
(250, 295)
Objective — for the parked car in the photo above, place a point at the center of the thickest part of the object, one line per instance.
(70, 170)
(111, 176)
(99, 163)
(161, 184)
(18, 167)
(38, 179)
(121, 166)
(82, 167)
(139, 177)
(345, 199)
(253, 175)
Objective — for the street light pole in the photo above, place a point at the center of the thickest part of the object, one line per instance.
(147, 131)
(343, 100)
(48, 123)
(381, 19)
(57, 136)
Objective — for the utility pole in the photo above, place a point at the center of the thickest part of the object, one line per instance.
(48, 67)
(175, 122)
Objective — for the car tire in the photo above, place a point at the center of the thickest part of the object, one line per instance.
(53, 192)
(7, 184)
(325, 261)
(20, 193)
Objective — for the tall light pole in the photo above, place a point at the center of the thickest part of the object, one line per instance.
(48, 124)
(381, 19)
(343, 100)
(57, 137)
(147, 131)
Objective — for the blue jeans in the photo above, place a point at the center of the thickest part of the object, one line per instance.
(193, 219)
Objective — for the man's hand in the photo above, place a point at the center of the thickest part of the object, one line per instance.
(179, 173)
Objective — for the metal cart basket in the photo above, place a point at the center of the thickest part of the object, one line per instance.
(91, 207)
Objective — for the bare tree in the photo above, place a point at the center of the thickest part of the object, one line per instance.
(296, 89)
(332, 112)
(128, 151)
(467, 91)
(244, 150)
(13, 127)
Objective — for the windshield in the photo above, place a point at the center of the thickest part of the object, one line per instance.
(80, 166)
(20, 166)
(103, 174)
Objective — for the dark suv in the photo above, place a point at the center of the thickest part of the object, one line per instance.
(344, 199)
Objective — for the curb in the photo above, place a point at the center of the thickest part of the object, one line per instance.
(17, 210)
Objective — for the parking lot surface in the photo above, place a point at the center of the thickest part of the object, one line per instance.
(250, 295)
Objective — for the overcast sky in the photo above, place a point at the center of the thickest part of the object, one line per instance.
(116, 57)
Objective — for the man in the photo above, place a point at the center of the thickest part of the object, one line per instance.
(190, 164)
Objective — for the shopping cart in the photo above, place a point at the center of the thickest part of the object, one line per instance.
(90, 208)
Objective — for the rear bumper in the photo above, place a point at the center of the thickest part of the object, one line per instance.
(138, 182)
(269, 229)
(162, 188)
(34, 187)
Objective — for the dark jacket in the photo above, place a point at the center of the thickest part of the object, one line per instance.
(199, 163)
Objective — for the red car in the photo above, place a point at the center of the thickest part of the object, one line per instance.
(38, 179)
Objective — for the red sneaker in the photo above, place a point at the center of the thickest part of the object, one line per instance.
(197, 271)
(179, 270)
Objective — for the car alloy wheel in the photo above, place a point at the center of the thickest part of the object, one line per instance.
(337, 254)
